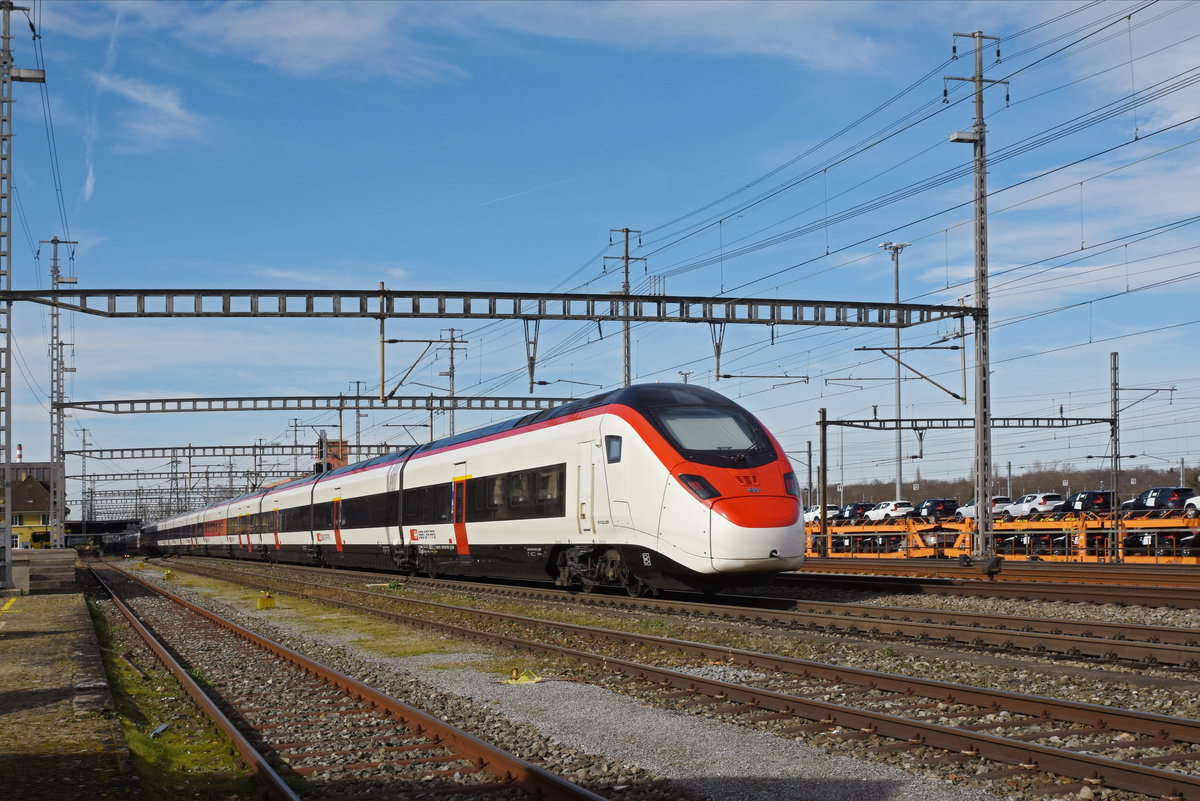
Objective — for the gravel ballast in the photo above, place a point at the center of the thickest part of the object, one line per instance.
(722, 761)
(574, 723)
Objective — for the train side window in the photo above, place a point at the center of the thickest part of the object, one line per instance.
(518, 489)
(612, 449)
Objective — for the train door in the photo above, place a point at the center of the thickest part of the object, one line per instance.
(336, 521)
(459, 505)
(585, 511)
(393, 532)
(275, 524)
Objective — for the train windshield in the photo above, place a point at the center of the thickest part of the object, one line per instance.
(720, 436)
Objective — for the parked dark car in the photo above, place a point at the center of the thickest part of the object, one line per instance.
(855, 511)
(1153, 543)
(1023, 542)
(1095, 501)
(1065, 542)
(1189, 543)
(936, 508)
(1159, 498)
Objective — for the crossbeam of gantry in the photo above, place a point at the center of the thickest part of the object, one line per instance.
(933, 424)
(181, 500)
(375, 303)
(222, 476)
(219, 451)
(156, 492)
(309, 403)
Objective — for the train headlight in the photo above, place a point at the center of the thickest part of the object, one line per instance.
(790, 485)
(699, 486)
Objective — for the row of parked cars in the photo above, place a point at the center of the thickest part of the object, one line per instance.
(1098, 502)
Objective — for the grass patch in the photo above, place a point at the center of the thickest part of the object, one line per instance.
(371, 634)
(198, 676)
(187, 760)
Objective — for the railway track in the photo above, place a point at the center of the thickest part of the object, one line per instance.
(1045, 744)
(308, 731)
(1176, 586)
(1144, 644)
(1116, 573)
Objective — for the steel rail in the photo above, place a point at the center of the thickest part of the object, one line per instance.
(1106, 573)
(1132, 642)
(1158, 595)
(1113, 773)
(510, 769)
(271, 782)
(1143, 633)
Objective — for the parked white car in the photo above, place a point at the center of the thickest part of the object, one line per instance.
(1030, 503)
(967, 510)
(1191, 507)
(886, 510)
(813, 513)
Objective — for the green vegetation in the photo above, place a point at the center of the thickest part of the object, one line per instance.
(198, 676)
(187, 759)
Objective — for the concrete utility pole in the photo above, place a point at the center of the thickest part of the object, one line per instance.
(984, 540)
(8, 74)
(625, 293)
(57, 396)
(895, 248)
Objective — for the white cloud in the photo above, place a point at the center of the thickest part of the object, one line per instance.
(824, 36)
(399, 40)
(156, 116)
(89, 185)
(360, 275)
(314, 38)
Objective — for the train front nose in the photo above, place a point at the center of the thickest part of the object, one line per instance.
(756, 533)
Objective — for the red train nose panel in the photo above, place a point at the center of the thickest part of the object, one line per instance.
(758, 511)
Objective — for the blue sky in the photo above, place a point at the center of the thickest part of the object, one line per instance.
(763, 149)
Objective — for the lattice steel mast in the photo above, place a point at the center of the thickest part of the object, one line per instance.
(58, 413)
(983, 436)
(8, 74)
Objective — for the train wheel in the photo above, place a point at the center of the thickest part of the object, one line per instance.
(635, 587)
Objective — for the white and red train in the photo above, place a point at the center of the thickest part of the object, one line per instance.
(656, 486)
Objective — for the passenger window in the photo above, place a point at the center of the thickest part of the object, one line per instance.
(612, 448)
(518, 489)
